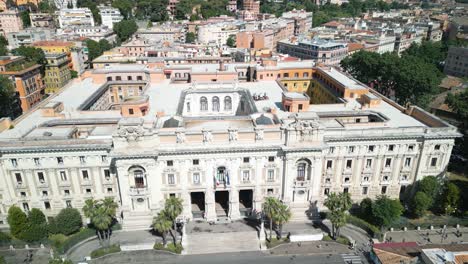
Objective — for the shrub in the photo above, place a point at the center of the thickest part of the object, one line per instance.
(365, 209)
(57, 240)
(83, 234)
(420, 204)
(68, 221)
(105, 251)
(275, 242)
(36, 217)
(34, 233)
(17, 220)
(177, 249)
(372, 230)
(60, 261)
(342, 240)
(4, 238)
(2, 260)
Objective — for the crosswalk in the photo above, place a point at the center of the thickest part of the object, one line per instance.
(351, 259)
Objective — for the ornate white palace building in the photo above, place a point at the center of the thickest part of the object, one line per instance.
(221, 137)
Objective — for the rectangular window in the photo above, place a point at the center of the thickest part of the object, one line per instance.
(407, 162)
(331, 150)
(385, 178)
(245, 176)
(45, 193)
(351, 149)
(371, 148)
(37, 161)
(60, 160)
(437, 147)
(88, 191)
(66, 192)
(349, 163)
(346, 190)
(170, 163)
(104, 158)
(271, 159)
(170, 179)
(85, 175)
(300, 106)
(410, 147)
(26, 207)
(109, 190)
(82, 160)
(346, 179)
(384, 190)
(329, 164)
(365, 178)
(246, 159)
(130, 111)
(23, 194)
(271, 175)
(63, 175)
(107, 174)
(196, 162)
(433, 162)
(40, 176)
(388, 162)
(47, 205)
(368, 163)
(196, 178)
(326, 191)
(18, 177)
(391, 147)
(364, 190)
(68, 203)
(14, 162)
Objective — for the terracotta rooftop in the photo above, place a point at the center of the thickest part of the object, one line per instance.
(332, 24)
(354, 46)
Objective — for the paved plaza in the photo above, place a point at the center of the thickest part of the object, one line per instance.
(436, 236)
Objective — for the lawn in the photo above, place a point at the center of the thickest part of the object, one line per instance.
(177, 249)
(105, 251)
(275, 242)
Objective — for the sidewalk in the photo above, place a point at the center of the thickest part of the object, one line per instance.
(429, 236)
(120, 237)
(310, 248)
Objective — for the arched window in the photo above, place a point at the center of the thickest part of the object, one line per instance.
(301, 171)
(215, 103)
(227, 103)
(188, 106)
(203, 104)
(138, 174)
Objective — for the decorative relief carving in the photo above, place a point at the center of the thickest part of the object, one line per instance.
(259, 134)
(233, 135)
(131, 133)
(180, 137)
(207, 136)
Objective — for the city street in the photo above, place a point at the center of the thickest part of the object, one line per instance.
(141, 257)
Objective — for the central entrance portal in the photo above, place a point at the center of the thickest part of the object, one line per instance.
(198, 204)
(222, 203)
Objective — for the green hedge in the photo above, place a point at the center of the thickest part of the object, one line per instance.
(341, 239)
(105, 251)
(177, 249)
(62, 247)
(275, 242)
(372, 230)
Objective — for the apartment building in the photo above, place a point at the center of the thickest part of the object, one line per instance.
(74, 17)
(10, 21)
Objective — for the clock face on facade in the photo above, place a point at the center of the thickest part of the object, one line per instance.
(140, 200)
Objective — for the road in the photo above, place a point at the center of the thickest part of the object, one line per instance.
(145, 257)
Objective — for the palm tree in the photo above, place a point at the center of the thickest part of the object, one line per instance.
(283, 215)
(101, 214)
(338, 205)
(173, 208)
(270, 208)
(162, 224)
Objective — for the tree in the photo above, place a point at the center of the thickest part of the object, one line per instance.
(47, 7)
(155, 10)
(104, 45)
(190, 37)
(10, 105)
(430, 186)
(162, 224)
(173, 208)
(68, 221)
(101, 213)
(94, 50)
(37, 226)
(60, 261)
(231, 41)
(33, 54)
(338, 205)
(125, 7)
(17, 220)
(450, 198)
(420, 204)
(125, 29)
(282, 216)
(385, 211)
(25, 19)
(365, 209)
(459, 104)
(270, 209)
(3, 46)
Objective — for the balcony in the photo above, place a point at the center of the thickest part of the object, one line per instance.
(139, 191)
(300, 182)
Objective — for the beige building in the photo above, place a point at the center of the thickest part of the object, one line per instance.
(10, 21)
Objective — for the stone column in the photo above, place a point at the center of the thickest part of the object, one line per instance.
(210, 209)
(316, 180)
(287, 180)
(234, 204)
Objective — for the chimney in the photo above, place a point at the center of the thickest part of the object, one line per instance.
(221, 65)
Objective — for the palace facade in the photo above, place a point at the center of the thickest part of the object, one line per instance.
(221, 137)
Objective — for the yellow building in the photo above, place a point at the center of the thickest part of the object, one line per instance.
(25, 2)
(299, 85)
(57, 47)
(57, 73)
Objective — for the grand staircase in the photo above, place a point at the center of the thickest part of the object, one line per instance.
(304, 213)
(209, 243)
(134, 221)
